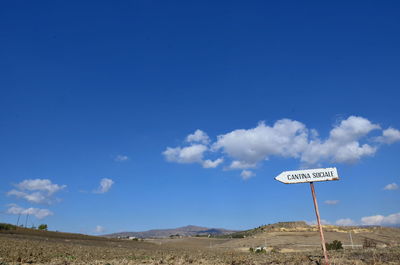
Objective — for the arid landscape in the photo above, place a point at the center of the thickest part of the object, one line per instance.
(282, 243)
(199, 132)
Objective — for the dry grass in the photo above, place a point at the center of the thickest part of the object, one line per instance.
(63, 249)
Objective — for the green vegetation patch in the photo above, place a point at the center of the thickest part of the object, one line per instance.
(4, 226)
(335, 245)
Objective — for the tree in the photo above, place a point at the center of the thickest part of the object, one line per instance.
(42, 227)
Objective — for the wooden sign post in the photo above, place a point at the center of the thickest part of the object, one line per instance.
(311, 176)
(321, 232)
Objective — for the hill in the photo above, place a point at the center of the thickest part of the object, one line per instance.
(17, 231)
(281, 226)
(185, 231)
(299, 236)
(286, 243)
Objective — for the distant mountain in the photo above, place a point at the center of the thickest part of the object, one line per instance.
(189, 230)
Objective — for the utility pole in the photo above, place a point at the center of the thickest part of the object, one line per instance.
(26, 220)
(18, 218)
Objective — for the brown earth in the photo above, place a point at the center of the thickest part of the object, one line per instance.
(26, 246)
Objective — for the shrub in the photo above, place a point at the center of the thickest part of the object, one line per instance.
(42, 227)
(369, 243)
(238, 236)
(335, 245)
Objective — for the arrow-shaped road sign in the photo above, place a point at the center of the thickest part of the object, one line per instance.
(308, 175)
(311, 175)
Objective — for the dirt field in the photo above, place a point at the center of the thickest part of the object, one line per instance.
(40, 247)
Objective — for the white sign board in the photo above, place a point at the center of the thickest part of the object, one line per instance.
(308, 175)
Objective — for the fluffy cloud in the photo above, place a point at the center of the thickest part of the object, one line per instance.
(189, 154)
(36, 190)
(105, 185)
(285, 138)
(345, 222)
(99, 229)
(389, 136)
(391, 186)
(343, 144)
(331, 202)
(35, 197)
(198, 137)
(38, 213)
(212, 164)
(40, 184)
(352, 129)
(121, 158)
(347, 142)
(392, 219)
(241, 165)
(246, 174)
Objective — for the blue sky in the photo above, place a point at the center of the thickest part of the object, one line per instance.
(92, 95)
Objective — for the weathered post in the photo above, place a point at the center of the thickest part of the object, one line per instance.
(321, 232)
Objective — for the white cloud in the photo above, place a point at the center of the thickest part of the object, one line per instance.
(389, 136)
(121, 158)
(348, 142)
(246, 174)
(35, 197)
(351, 129)
(345, 222)
(40, 185)
(212, 164)
(99, 229)
(392, 219)
(241, 165)
(185, 155)
(391, 186)
(36, 190)
(105, 185)
(372, 220)
(285, 138)
(38, 213)
(198, 137)
(331, 202)
(343, 144)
